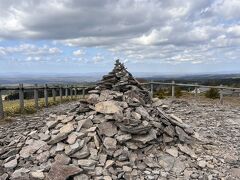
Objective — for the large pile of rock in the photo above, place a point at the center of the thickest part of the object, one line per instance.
(117, 133)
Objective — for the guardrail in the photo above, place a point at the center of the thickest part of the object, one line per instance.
(73, 89)
(196, 87)
(70, 90)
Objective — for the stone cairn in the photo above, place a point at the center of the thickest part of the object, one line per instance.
(118, 132)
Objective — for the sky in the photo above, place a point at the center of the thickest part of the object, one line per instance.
(87, 36)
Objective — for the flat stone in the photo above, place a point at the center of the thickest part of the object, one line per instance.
(108, 129)
(127, 169)
(60, 147)
(124, 137)
(146, 138)
(67, 119)
(183, 137)
(37, 175)
(86, 162)
(136, 115)
(20, 174)
(169, 130)
(110, 143)
(81, 177)
(62, 172)
(142, 111)
(72, 138)
(185, 149)
(108, 107)
(11, 164)
(202, 164)
(172, 151)
(4, 176)
(93, 98)
(31, 148)
(43, 157)
(70, 149)
(235, 172)
(51, 124)
(44, 137)
(178, 167)
(67, 129)
(82, 153)
(62, 159)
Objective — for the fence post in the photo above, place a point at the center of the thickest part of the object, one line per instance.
(36, 96)
(71, 92)
(60, 93)
(196, 90)
(46, 95)
(83, 93)
(54, 94)
(75, 92)
(151, 88)
(1, 106)
(21, 98)
(173, 89)
(66, 92)
(221, 95)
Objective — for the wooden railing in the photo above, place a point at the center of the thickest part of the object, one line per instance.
(195, 86)
(73, 89)
(70, 91)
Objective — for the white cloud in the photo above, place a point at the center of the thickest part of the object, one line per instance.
(78, 52)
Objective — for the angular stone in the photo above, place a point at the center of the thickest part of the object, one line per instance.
(183, 137)
(81, 177)
(70, 149)
(20, 174)
(51, 124)
(67, 119)
(43, 157)
(11, 164)
(172, 151)
(142, 111)
(31, 148)
(37, 175)
(67, 129)
(124, 137)
(82, 153)
(108, 107)
(136, 115)
(72, 138)
(62, 159)
(86, 163)
(60, 147)
(44, 137)
(110, 143)
(93, 98)
(169, 130)
(62, 172)
(185, 149)
(145, 138)
(202, 164)
(4, 176)
(108, 129)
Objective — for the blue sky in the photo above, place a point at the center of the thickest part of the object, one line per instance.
(82, 36)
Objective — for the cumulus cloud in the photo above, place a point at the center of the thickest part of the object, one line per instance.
(199, 31)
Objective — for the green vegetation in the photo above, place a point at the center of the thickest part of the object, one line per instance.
(12, 108)
(161, 93)
(212, 93)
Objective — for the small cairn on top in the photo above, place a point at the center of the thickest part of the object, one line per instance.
(116, 133)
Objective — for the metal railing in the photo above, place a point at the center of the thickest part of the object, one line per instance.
(70, 91)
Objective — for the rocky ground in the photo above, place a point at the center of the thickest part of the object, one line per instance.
(217, 156)
(120, 132)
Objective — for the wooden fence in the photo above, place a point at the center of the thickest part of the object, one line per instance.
(74, 88)
(70, 91)
(195, 86)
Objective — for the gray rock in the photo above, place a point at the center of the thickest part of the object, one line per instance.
(37, 175)
(20, 174)
(11, 164)
(110, 143)
(185, 149)
(86, 163)
(145, 138)
(82, 153)
(142, 111)
(108, 107)
(81, 177)
(70, 149)
(31, 148)
(107, 128)
(124, 137)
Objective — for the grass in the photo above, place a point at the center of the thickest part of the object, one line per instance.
(12, 108)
